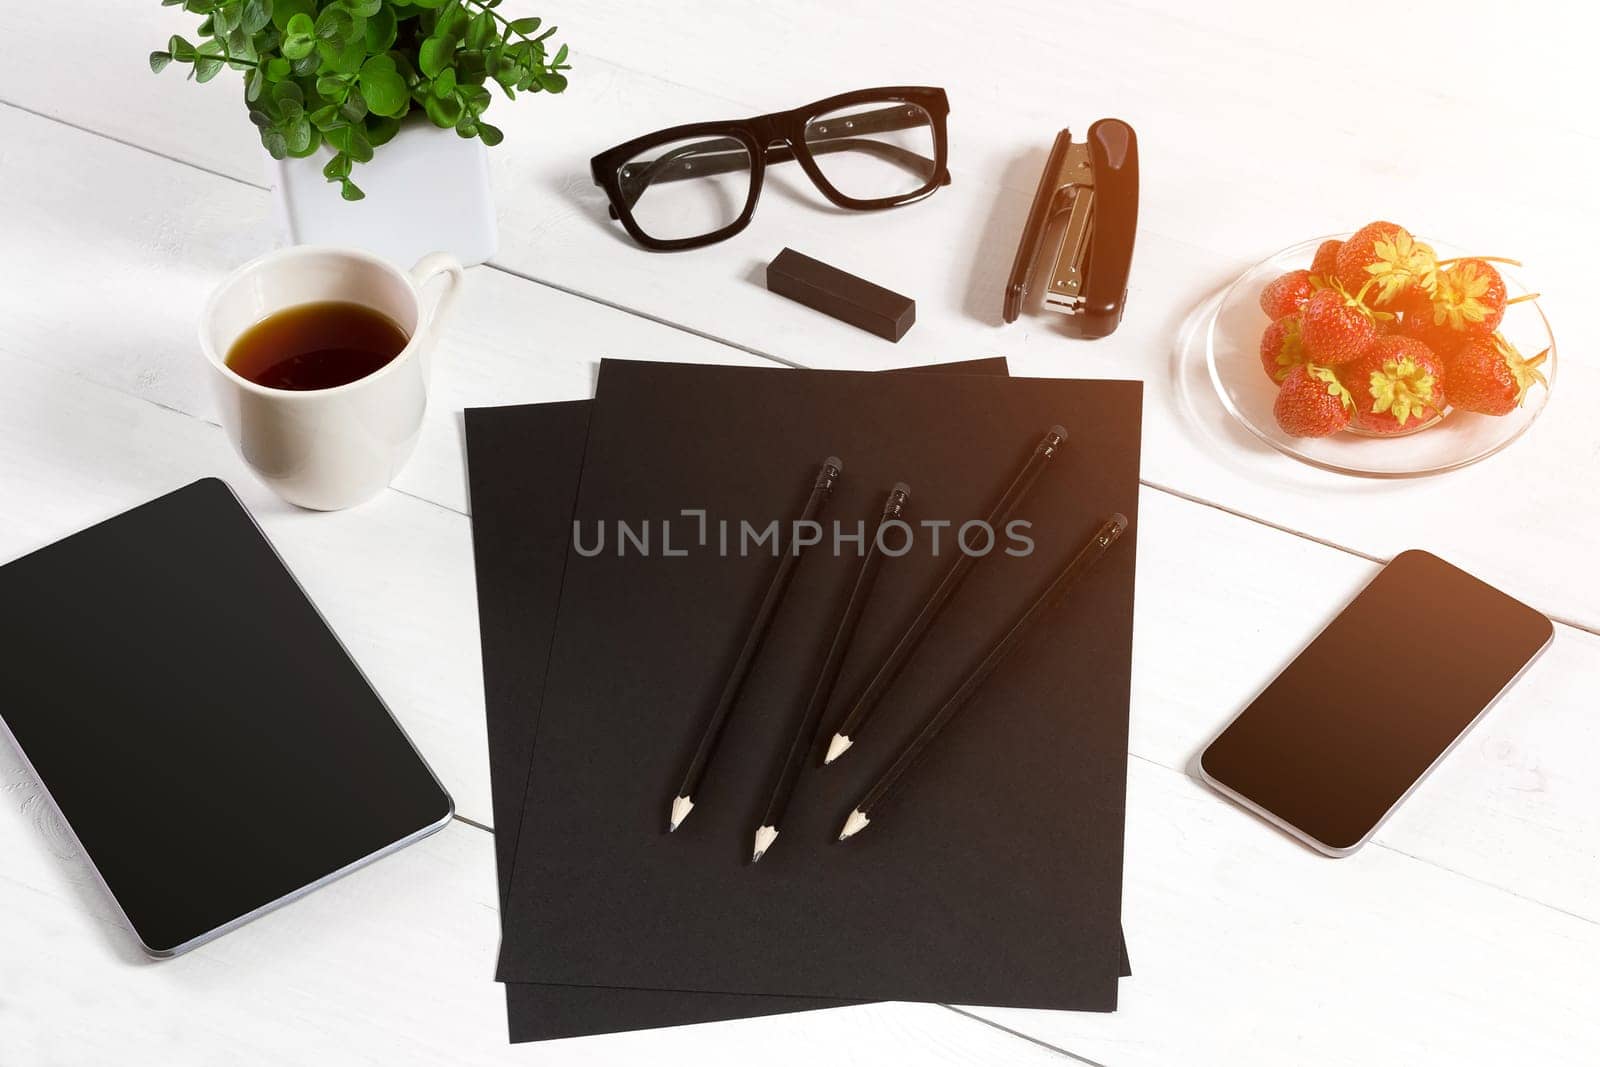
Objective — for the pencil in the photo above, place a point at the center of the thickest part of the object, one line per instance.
(805, 733)
(683, 800)
(867, 702)
(867, 807)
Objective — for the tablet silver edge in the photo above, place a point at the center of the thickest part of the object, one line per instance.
(235, 923)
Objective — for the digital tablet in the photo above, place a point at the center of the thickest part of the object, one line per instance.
(206, 737)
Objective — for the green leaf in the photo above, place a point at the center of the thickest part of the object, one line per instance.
(360, 148)
(355, 107)
(526, 26)
(159, 61)
(334, 24)
(490, 135)
(337, 167)
(288, 93)
(278, 68)
(300, 137)
(445, 83)
(325, 116)
(480, 30)
(443, 112)
(383, 88)
(453, 19)
(552, 82)
(333, 87)
(254, 82)
(306, 65)
(208, 65)
(343, 58)
(275, 143)
(260, 118)
(434, 56)
(181, 50)
(285, 10)
(381, 130)
(257, 13)
(299, 38)
(350, 191)
(382, 30)
(365, 8)
(561, 56)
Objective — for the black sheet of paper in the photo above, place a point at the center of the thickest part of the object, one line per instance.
(524, 465)
(522, 514)
(998, 938)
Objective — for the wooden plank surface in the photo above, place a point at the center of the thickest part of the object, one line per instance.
(1499, 842)
(1466, 933)
(1231, 173)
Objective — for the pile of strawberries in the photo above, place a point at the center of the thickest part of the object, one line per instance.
(1379, 334)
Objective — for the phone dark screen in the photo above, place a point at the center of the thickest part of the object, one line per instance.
(209, 741)
(1340, 736)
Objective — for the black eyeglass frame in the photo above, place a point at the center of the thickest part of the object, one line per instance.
(775, 138)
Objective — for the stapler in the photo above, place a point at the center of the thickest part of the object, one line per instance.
(1088, 197)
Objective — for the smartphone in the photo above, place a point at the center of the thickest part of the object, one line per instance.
(1332, 746)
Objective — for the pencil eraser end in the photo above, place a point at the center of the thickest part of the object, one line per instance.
(835, 462)
(1059, 430)
(1118, 522)
(903, 489)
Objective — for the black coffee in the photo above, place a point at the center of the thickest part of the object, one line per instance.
(316, 346)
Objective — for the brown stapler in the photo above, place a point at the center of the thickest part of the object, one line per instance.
(1088, 200)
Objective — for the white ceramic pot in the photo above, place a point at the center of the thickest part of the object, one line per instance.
(426, 191)
(328, 448)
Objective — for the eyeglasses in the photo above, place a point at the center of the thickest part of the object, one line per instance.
(694, 185)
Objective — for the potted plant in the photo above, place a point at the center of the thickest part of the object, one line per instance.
(377, 102)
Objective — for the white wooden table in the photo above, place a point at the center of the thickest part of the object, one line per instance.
(1466, 933)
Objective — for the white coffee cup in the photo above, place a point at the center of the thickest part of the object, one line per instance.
(328, 448)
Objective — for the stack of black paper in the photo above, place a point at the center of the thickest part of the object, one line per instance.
(996, 877)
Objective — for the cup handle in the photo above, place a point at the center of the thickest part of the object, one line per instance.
(429, 267)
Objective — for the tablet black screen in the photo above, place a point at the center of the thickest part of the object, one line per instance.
(206, 736)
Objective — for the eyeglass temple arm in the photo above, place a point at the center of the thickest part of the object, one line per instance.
(723, 155)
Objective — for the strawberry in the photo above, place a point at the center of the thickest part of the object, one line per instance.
(1441, 339)
(1397, 384)
(1286, 294)
(1281, 349)
(1325, 264)
(1312, 402)
(1337, 327)
(1470, 298)
(1488, 375)
(1387, 254)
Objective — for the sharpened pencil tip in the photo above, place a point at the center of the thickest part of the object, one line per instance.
(681, 807)
(854, 825)
(764, 839)
(837, 747)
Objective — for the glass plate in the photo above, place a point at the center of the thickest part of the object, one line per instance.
(1231, 328)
